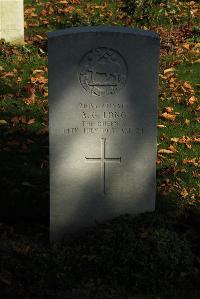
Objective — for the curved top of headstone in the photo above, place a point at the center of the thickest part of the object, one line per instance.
(104, 29)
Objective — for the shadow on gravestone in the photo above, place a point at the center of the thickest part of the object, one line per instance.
(113, 83)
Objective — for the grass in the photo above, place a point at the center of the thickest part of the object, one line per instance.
(154, 254)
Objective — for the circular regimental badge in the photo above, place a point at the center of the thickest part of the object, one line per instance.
(102, 71)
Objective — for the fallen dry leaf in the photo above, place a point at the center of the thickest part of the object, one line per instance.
(198, 119)
(168, 109)
(172, 69)
(39, 78)
(168, 116)
(9, 75)
(30, 121)
(184, 193)
(37, 71)
(175, 139)
(187, 85)
(187, 121)
(172, 148)
(196, 174)
(165, 151)
(23, 249)
(192, 100)
(186, 46)
(43, 131)
(194, 161)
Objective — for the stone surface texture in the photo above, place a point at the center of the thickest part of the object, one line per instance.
(103, 85)
(12, 21)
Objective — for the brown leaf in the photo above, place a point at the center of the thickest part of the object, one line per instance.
(197, 140)
(23, 249)
(31, 100)
(172, 69)
(15, 119)
(168, 116)
(23, 119)
(63, 1)
(66, 10)
(175, 139)
(165, 151)
(192, 100)
(193, 161)
(198, 119)
(31, 121)
(184, 193)
(188, 145)
(29, 11)
(35, 24)
(9, 75)
(168, 109)
(186, 46)
(44, 21)
(39, 78)
(187, 85)
(43, 131)
(196, 174)
(172, 148)
(19, 119)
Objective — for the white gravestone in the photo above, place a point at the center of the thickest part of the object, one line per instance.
(103, 114)
(12, 21)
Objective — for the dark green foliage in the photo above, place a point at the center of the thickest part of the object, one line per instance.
(155, 12)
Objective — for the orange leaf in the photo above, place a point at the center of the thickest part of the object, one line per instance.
(168, 109)
(192, 100)
(168, 116)
(184, 193)
(187, 85)
(186, 46)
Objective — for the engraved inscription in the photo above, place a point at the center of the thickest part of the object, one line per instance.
(102, 71)
(103, 160)
(103, 119)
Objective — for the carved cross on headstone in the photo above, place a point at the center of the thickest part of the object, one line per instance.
(103, 160)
